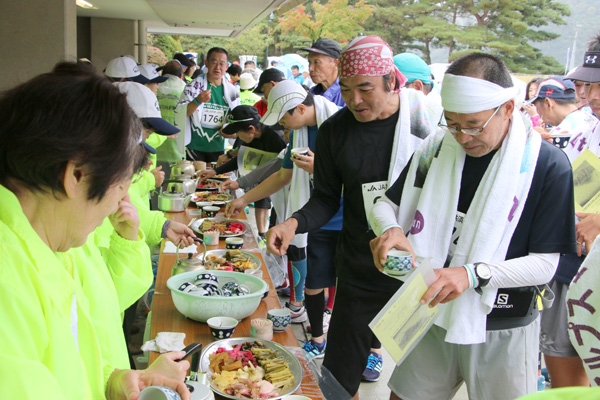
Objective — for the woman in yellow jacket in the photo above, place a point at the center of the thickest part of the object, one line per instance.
(68, 147)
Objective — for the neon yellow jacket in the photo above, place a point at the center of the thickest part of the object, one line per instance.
(39, 299)
(109, 289)
(569, 393)
(155, 140)
(151, 221)
(131, 279)
(146, 183)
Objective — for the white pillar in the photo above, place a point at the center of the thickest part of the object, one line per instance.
(142, 42)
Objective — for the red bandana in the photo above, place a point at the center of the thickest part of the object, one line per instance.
(368, 56)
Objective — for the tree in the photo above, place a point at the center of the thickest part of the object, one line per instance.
(168, 44)
(335, 19)
(412, 24)
(253, 42)
(506, 28)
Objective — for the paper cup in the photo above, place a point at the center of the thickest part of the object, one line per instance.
(262, 328)
(211, 238)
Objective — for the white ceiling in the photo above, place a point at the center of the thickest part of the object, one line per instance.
(190, 17)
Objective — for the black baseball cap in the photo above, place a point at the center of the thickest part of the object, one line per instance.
(325, 46)
(589, 71)
(184, 60)
(239, 118)
(269, 75)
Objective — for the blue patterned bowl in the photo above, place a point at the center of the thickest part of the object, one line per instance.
(398, 262)
(281, 318)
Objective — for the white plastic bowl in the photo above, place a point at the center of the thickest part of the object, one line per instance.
(201, 308)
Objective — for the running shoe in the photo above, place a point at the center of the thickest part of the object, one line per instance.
(298, 313)
(313, 349)
(373, 369)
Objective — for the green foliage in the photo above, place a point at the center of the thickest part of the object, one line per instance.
(251, 42)
(506, 28)
(154, 55)
(335, 19)
(168, 44)
(511, 29)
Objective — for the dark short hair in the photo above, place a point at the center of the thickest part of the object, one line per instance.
(295, 67)
(534, 81)
(234, 69)
(173, 68)
(257, 124)
(308, 101)
(69, 114)
(216, 50)
(594, 43)
(484, 66)
(387, 82)
(249, 62)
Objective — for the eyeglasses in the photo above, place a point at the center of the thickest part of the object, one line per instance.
(467, 131)
(220, 64)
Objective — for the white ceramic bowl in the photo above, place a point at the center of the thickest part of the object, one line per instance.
(201, 308)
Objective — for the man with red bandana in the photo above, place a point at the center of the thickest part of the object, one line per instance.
(359, 151)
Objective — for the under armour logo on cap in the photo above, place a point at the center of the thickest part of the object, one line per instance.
(592, 59)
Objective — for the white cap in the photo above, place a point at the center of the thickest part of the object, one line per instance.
(247, 81)
(122, 67)
(148, 71)
(284, 96)
(144, 104)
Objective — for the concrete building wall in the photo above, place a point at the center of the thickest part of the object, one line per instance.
(35, 34)
(112, 38)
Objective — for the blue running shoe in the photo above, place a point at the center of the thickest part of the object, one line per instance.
(373, 369)
(313, 349)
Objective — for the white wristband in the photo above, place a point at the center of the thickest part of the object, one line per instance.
(473, 281)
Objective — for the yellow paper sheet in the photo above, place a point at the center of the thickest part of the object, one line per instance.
(403, 321)
(586, 179)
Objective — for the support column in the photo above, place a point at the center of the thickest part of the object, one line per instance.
(36, 35)
(142, 42)
(112, 38)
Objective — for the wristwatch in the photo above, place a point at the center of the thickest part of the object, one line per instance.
(483, 272)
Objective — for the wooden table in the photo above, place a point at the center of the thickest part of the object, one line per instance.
(166, 318)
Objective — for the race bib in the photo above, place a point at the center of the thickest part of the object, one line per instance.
(212, 116)
(371, 193)
(458, 225)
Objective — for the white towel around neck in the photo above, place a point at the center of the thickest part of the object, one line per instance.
(416, 120)
(300, 184)
(488, 226)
